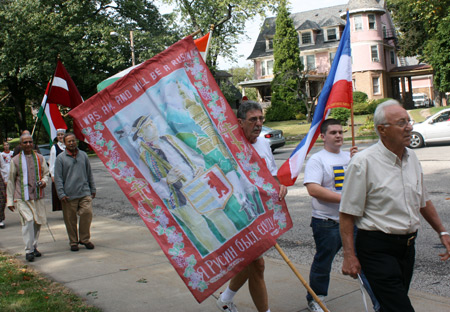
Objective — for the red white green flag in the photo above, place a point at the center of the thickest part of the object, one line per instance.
(51, 116)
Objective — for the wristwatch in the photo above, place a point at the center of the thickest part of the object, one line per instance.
(443, 233)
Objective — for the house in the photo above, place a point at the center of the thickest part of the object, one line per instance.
(376, 70)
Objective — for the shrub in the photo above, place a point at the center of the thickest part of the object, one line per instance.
(359, 97)
(368, 127)
(342, 114)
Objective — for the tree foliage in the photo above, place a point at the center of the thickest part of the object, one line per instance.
(242, 74)
(288, 81)
(424, 31)
(200, 14)
(33, 33)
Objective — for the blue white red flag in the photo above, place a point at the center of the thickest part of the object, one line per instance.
(336, 92)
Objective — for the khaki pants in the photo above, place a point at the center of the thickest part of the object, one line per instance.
(78, 207)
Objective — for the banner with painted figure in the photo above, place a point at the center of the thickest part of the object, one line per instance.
(170, 140)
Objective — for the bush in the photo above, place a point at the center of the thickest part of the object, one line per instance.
(361, 108)
(359, 97)
(368, 127)
(342, 114)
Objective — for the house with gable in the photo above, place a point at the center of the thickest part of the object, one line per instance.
(376, 68)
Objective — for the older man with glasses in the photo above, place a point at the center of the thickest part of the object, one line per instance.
(250, 118)
(28, 177)
(384, 195)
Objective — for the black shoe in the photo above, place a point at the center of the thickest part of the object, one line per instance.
(74, 248)
(36, 253)
(88, 245)
(29, 257)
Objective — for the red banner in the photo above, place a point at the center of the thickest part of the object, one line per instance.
(170, 140)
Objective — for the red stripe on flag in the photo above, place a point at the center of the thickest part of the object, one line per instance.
(341, 95)
(57, 119)
(202, 42)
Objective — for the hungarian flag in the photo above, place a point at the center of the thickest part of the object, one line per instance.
(63, 90)
(51, 116)
(336, 92)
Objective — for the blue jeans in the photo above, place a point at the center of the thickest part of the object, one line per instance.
(328, 242)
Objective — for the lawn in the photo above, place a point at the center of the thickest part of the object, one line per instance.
(295, 130)
(24, 290)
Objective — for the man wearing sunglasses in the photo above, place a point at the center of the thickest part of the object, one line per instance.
(250, 118)
(25, 192)
(384, 195)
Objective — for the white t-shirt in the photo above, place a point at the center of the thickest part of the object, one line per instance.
(328, 170)
(264, 151)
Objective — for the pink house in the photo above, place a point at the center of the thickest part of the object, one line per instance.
(377, 70)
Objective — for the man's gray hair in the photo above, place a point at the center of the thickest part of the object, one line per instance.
(247, 106)
(379, 117)
(25, 135)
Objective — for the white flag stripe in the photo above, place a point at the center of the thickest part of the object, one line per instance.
(60, 82)
(344, 69)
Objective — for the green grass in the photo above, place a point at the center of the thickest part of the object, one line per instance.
(295, 130)
(24, 290)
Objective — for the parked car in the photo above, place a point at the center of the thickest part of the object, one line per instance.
(45, 151)
(275, 137)
(421, 100)
(434, 129)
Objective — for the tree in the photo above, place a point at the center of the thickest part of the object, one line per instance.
(242, 74)
(200, 14)
(288, 79)
(33, 33)
(424, 31)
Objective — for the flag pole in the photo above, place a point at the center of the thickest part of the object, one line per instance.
(300, 277)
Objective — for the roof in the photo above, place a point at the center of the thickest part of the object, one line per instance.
(356, 6)
(314, 19)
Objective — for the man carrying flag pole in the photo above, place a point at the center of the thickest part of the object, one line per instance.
(336, 92)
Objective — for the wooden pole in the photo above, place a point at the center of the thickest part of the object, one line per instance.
(300, 277)
(352, 120)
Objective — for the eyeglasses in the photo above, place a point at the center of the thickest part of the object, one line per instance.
(402, 123)
(27, 142)
(255, 119)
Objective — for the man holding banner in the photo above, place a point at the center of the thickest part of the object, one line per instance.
(250, 118)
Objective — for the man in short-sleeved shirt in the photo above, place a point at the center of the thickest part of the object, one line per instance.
(383, 195)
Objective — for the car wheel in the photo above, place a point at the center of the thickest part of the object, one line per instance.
(416, 140)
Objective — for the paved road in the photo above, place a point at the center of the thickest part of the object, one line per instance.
(430, 275)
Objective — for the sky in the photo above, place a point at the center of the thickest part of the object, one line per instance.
(252, 28)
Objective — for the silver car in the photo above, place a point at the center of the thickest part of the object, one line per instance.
(433, 130)
(275, 137)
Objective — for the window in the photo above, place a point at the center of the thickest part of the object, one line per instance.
(306, 38)
(384, 31)
(266, 67)
(332, 55)
(372, 22)
(392, 56)
(376, 85)
(358, 22)
(269, 44)
(310, 62)
(374, 53)
(354, 84)
(331, 34)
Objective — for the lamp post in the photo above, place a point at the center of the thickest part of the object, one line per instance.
(113, 33)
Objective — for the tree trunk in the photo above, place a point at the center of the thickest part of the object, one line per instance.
(19, 100)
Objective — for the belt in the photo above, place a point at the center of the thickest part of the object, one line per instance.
(403, 239)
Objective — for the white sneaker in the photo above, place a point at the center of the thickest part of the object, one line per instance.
(226, 306)
(2, 225)
(313, 306)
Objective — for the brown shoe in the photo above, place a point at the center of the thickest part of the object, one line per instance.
(88, 245)
(74, 248)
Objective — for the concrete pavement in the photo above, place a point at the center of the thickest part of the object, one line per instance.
(127, 271)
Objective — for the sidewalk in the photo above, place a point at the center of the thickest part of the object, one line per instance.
(127, 271)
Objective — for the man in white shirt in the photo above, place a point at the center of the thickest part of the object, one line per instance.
(383, 195)
(250, 118)
(324, 177)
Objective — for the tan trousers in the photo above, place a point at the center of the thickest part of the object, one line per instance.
(78, 207)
